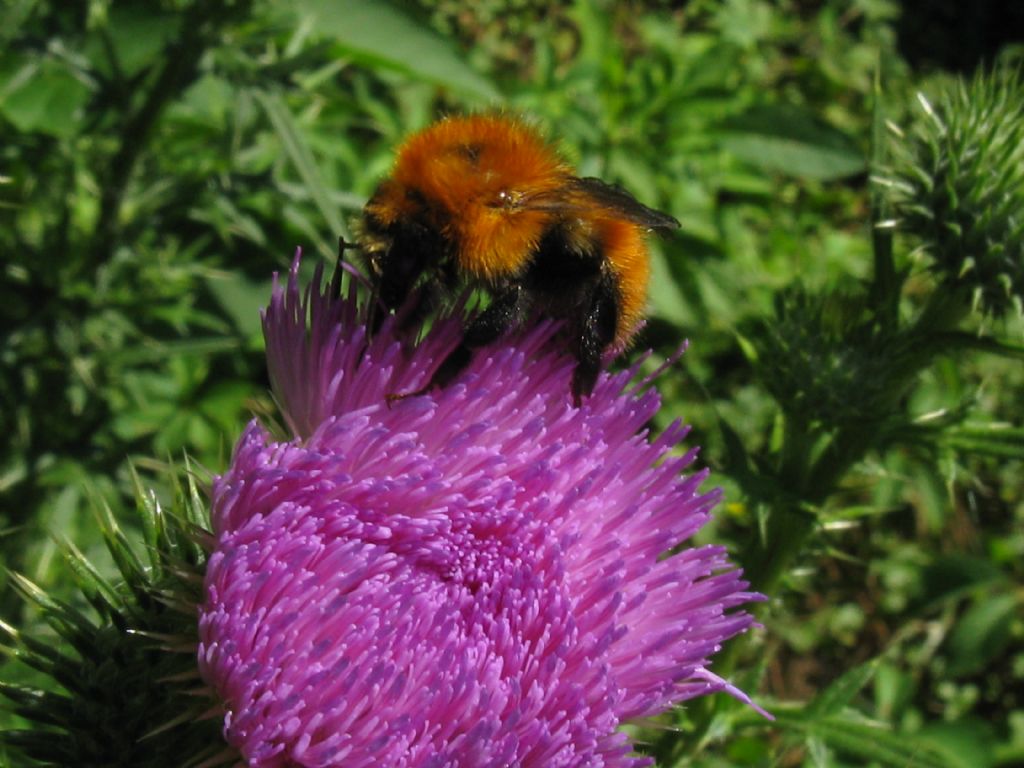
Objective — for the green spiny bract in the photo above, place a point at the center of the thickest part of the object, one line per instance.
(825, 360)
(958, 183)
(119, 684)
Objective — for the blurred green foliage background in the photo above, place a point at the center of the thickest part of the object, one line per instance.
(159, 160)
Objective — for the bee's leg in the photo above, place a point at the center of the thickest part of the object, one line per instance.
(391, 291)
(375, 313)
(335, 287)
(595, 333)
(422, 300)
(500, 315)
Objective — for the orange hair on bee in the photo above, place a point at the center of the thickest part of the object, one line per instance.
(484, 211)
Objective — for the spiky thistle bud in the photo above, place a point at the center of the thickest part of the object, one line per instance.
(118, 684)
(958, 182)
(824, 359)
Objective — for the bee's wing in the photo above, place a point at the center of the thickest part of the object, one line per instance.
(586, 196)
(618, 200)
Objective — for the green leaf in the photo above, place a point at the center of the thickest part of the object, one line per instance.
(43, 96)
(788, 140)
(856, 512)
(840, 693)
(301, 155)
(712, 66)
(865, 741)
(137, 36)
(666, 299)
(963, 743)
(13, 14)
(1000, 440)
(981, 634)
(954, 576)
(381, 34)
(241, 298)
(893, 689)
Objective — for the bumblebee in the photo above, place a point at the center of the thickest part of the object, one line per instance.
(484, 201)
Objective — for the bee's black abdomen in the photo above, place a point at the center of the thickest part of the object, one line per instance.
(560, 268)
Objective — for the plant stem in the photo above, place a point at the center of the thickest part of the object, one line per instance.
(180, 68)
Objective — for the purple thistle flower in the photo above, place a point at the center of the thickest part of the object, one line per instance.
(466, 578)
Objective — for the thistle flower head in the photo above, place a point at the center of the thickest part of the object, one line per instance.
(959, 187)
(472, 577)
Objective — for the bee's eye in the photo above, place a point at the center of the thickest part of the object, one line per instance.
(507, 199)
